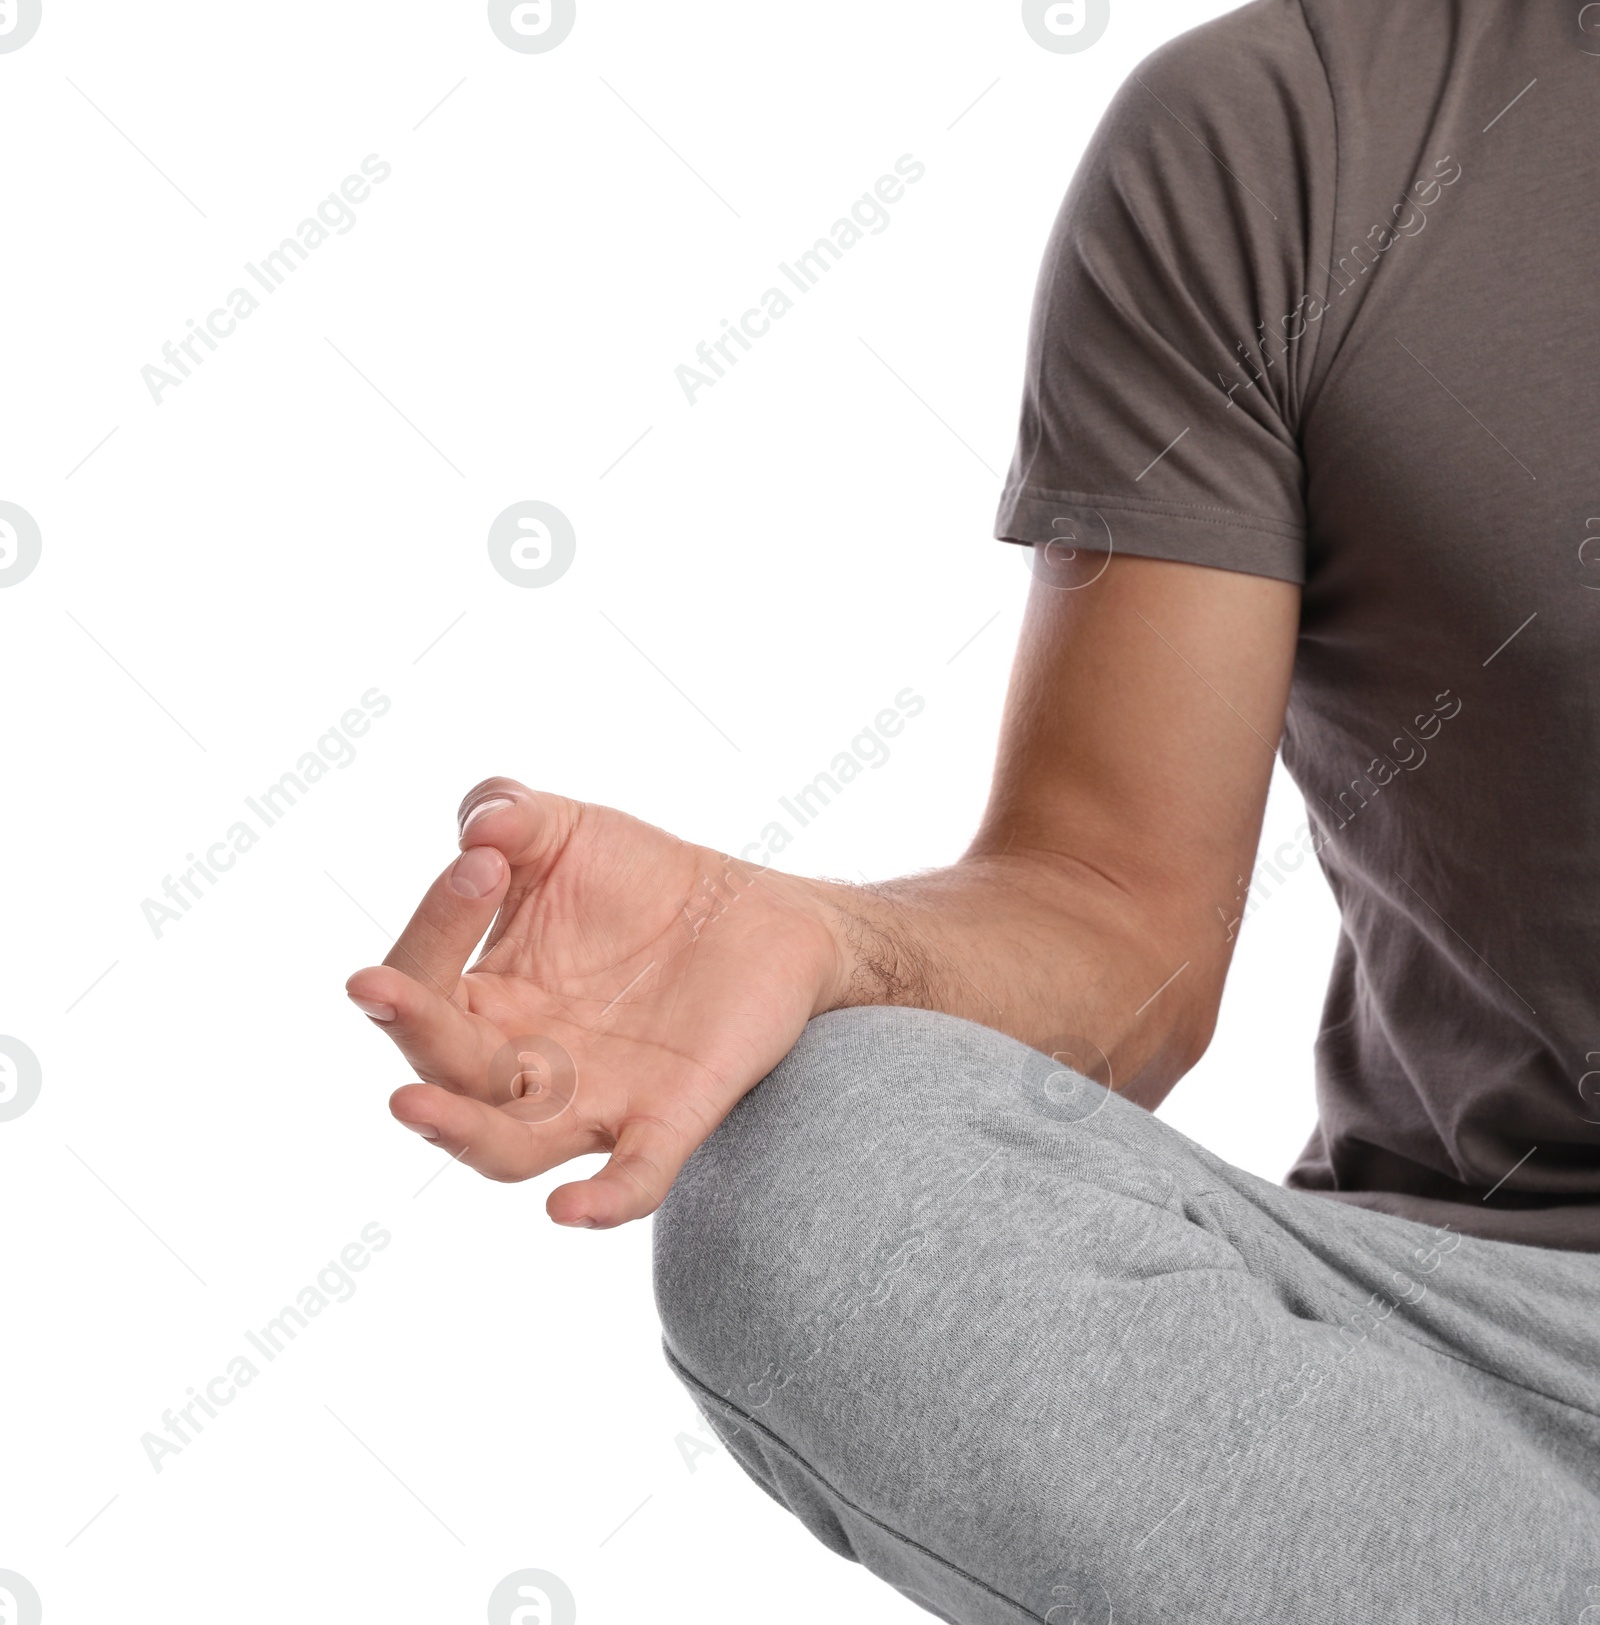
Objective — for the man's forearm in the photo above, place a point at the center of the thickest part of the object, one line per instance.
(1039, 948)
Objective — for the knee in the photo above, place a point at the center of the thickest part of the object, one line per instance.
(789, 1246)
(899, 1275)
(786, 1254)
(813, 1194)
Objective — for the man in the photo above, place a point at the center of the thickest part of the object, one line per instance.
(1308, 451)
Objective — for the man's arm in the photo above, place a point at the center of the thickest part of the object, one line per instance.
(634, 985)
(1097, 900)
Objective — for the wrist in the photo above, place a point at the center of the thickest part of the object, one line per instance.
(873, 954)
(832, 904)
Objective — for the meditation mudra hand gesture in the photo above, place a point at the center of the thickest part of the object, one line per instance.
(633, 986)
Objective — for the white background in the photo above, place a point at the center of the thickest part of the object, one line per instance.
(233, 568)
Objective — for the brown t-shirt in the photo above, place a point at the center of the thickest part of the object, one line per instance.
(1323, 303)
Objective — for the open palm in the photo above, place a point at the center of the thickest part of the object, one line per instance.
(632, 988)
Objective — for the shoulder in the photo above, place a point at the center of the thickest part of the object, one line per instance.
(1259, 31)
(1257, 62)
(1227, 130)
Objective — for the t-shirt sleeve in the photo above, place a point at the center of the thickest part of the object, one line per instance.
(1174, 333)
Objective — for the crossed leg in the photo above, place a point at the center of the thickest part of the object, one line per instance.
(1029, 1353)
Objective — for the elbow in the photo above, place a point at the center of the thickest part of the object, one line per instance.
(1197, 1034)
(1159, 1052)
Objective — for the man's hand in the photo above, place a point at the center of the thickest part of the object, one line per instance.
(633, 987)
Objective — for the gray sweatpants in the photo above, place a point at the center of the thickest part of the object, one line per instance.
(1029, 1353)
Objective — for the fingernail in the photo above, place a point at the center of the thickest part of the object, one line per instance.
(371, 1007)
(577, 1224)
(482, 808)
(476, 872)
(424, 1129)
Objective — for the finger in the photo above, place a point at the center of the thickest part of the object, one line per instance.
(638, 1174)
(451, 919)
(496, 1145)
(443, 1043)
